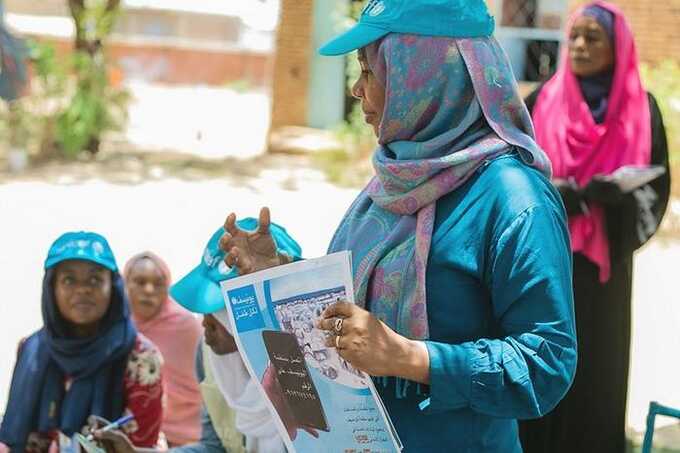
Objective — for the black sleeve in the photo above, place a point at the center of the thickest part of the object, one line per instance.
(632, 223)
(572, 199)
(530, 100)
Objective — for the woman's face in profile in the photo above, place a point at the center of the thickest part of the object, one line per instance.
(371, 94)
(147, 289)
(82, 291)
(590, 50)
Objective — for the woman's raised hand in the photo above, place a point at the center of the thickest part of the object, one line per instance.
(251, 251)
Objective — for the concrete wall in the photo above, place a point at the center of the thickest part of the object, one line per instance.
(326, 102)
(177, 65)
(162, 45)
(656, 25)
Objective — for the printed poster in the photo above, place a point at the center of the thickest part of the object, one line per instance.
(321, 403)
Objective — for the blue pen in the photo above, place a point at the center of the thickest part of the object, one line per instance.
(113, 425)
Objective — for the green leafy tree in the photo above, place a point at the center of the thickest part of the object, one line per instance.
(95, 107)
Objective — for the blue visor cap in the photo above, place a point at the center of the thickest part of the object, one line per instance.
(450, 18)
(81, 245)
(199, 290)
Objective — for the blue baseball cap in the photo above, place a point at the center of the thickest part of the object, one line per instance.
(452, 18)
(199, 290)
(81, 245)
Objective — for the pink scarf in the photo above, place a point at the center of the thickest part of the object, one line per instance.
(580, 149)
(176, 332)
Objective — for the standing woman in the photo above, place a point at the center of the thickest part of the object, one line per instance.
(176, 332)
(460, 249)
(87, 359)
(593, 117)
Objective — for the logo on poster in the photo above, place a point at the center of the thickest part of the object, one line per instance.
(245, 308)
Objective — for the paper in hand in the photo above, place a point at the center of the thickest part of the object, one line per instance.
(273, 314)
(68, 444)
(88, 446)
(631, 177)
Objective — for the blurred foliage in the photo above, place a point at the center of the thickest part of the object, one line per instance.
(663, 81)
(31, 118)
(94, 108)
(69, 106)
(239, 85)
(71, 100)
(94, 21)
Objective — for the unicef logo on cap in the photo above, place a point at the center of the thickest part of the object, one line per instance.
(98, 247)
(374, 8)
(81, 245)
(223, 269)
(209, 259)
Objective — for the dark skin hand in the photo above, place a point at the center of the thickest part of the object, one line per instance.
(272, 387)
(369, 345)
(600, 190)
(572, 196)
(251, 251)
(115, 441)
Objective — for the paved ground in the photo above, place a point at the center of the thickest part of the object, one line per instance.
(209, 122)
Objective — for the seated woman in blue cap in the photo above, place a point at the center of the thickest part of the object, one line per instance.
(460, 248)
(87, 359)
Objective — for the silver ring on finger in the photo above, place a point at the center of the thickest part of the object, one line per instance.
(338, 325)
(337, 342)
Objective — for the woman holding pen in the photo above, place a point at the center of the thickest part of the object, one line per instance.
(86, 360)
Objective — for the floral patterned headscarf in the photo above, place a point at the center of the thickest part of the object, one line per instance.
(450, 106)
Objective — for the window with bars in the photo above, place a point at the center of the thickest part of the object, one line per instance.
(531, 32)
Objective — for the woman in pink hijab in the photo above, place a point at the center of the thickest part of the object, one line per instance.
(592, 118)
(176, 332)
